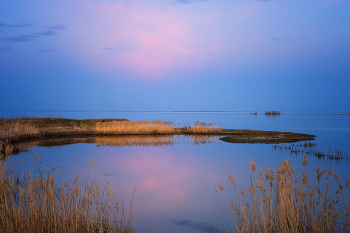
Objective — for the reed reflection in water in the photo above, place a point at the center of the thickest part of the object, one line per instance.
(124, 141)
(172, 174)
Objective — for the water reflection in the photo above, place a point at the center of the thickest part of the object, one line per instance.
(200, 226)
(174, 176)
(123, 141)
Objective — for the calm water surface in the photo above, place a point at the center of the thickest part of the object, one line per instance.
(174, 175)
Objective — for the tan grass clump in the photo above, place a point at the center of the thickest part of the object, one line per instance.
(281, 201)
(34, 204)
(203, 128)
(135, 127)
(17, 130)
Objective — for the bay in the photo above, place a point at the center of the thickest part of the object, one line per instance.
(175, 176)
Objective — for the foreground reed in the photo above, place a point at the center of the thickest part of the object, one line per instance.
(33, 204)
(284, 202)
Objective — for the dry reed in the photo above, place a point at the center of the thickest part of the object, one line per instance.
(283, 202)
(203, 128)
(33, 204)
(19, 128)
(135, 127)
(16, 130)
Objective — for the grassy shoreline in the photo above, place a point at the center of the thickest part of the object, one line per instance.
(24, 128)
(14, 130)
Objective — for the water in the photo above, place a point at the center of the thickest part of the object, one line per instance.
(174, 175)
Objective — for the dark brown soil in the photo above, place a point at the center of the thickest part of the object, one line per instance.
(266, 137)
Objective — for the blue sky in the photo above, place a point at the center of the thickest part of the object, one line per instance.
(127, 55)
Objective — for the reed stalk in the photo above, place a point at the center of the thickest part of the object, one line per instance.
(34, 204)
(282, 201)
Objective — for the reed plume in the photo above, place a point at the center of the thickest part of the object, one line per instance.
(135, 127)
(34, 204)
(202, 128)
(281, 201)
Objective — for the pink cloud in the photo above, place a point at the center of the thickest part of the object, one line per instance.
(146, 41)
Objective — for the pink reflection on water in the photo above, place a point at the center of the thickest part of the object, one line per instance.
(169, 183)
(161, 179)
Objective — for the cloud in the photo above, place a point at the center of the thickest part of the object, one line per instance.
(200, 226)
(25, 25)
(6, 49)
(149, 42)
(108, 48)
(45, 50)
(29, 37)
(57, 27)
(189, 1)
(45, 33)
(275, 39)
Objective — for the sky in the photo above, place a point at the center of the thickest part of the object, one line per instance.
(175, 55)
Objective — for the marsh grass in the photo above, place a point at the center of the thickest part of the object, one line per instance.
(18, 128)
(135, 127)
(50, 121)
(6, 150)
(34, 204)
(11, 130)
(310, 148)
(202, 128)
(15, 130)
(281, 201)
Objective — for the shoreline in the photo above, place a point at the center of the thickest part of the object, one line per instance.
(17, 130)
(228, 135)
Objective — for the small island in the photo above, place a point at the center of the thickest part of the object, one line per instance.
(16, 129)
(265, 137)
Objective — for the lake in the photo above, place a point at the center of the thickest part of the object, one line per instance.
(174, 175)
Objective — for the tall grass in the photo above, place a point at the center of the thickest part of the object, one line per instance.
(33, 204)
(6, 149)
(285, 202)
(203, 128)
(18, 128)
(311, 149)
(12, 130)
(135, 127)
